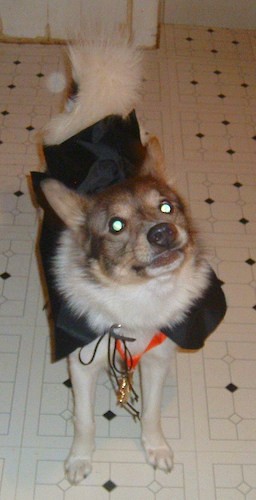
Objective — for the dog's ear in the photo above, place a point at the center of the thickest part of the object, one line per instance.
(154, 161)
(67, 204)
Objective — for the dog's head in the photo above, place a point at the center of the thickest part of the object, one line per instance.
(134, 230)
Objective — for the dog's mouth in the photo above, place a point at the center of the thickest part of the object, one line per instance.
(166, 258)
(167, 243)
(167, 250)
(166, 261)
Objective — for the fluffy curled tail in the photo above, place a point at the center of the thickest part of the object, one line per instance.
(108, 75)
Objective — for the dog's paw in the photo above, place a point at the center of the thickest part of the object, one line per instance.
(77, 468)
(160, 458)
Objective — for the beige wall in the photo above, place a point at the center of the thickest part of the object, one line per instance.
(57, 19)
(220, 13)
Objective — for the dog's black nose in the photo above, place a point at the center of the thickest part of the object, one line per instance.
(161, 235)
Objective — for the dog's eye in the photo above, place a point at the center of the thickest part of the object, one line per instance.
(116, 225)
(166, 207)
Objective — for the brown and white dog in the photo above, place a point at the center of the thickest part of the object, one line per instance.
(127, 254)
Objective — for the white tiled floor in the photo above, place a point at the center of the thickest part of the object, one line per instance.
(200, 98)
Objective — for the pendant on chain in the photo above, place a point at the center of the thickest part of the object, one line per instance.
(124, 388)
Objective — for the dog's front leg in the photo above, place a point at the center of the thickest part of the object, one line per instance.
(79, 462)
(154, 370)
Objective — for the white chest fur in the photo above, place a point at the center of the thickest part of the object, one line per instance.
(141, 308)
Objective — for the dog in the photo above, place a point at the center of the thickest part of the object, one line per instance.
(126, 275)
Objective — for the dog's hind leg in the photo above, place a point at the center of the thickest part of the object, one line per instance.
(84, 378)
(154, 370)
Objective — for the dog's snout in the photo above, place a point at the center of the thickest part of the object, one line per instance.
(161, 235)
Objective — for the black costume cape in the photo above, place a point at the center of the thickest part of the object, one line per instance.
(101, 155)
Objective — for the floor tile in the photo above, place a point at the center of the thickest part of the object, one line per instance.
(9, 470)
(226, 476)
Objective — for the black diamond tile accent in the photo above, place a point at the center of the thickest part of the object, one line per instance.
(194, 82)
(16, 62)
(221, 96)
(40, 75)
(30, 128)
(11, 86)
(109, 486)
(68, 383)
(245, 85)
(18, 193)
(109, 415)
(5, 113)
(250, 262)
(243, 221)
(5, 276)
(209, 201)
(231, 387)
(231, 152)
(217, 72)
(200, 135)
(225, 122)
(237, 184)
(189, 39)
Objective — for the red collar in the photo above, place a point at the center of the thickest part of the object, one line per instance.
(132, 362)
